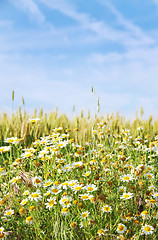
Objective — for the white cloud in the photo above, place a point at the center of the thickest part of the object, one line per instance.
(130, 36)
(31, 8)
(135, 31)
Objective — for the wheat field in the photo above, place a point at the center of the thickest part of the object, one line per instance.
(81, 178)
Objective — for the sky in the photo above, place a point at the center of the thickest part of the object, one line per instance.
(53, 51)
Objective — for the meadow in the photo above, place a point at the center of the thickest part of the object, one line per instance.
(84, 178)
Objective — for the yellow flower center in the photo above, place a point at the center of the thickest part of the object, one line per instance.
(106, 209)
(71, 184)
(56, 182)
(31, 208)
(152, 201)
(85, 197)
(121, 227)
(51, 203)
(101, 231)
(126, 178)
(126, 196)
(47, 184)
(87, 174)
(65, 210)
(147, 229)
(29, 218)
(35, 195)
(55, 190)
(37, 180)
(9, 213)
(77, 165)
(66, 184)
(78, 188)
(149, 176)
(145, 213)
(90, 188)
(84, 215)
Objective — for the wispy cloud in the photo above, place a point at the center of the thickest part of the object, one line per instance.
(132, 35)
(137, 34)
(31, 8)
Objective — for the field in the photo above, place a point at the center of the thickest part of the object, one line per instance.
(85, 178)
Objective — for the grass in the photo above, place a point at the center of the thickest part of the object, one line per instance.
(78, 179)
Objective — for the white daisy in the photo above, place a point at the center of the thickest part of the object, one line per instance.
(106, 209)
(126, 196)
(147, 229)
(51, 202)
(35, 196)
(121, 228)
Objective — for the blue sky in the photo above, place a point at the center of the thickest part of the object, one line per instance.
(53, 51)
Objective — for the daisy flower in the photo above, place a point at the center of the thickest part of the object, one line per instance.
(151, 202)
(55, 190)
(90, 188)
(29, 220)
(151, 188)
(47, 183)
(26, 193)
(77, 164)
(67, 168)
(147, 229)
(149, 176)
(72, 183)
(77, 188)
(126, 178)
(122, 189)
(13, 140)
(51, 202)
(85, 197)
(101, 232)
(1, 229)
(155, 215)
(4, 149)
(65, 211)
(14, 180)
(135, 236)
(86, 174)
(106, 208)
(121, 228)
(149, 168)
(26, 154)
(65, 201)
(37, 181)
(35, 196)
(64, 185)
(24, 202)
(84, 214)
(33, 120)
(9, 212)
(145, 215)
(126, 196)
(47, 193)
